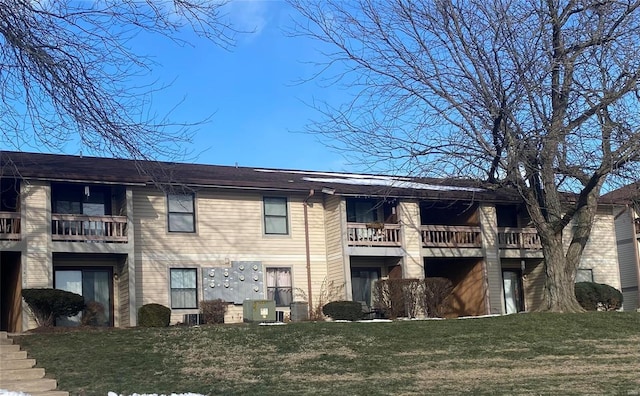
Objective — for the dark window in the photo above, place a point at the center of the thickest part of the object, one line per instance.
(275, 216)
(279, 286)
(584, 275)
(184, 289)
(182, 216)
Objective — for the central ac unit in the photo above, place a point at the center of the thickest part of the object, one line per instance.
(192, 319)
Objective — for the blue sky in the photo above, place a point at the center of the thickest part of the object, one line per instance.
(259, 109)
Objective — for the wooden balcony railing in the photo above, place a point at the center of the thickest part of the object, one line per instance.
(364, 234)
(81, 228)
(451, 236)
(10, 226)
(518, 238)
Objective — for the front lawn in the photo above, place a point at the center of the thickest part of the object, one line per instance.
(592, 353)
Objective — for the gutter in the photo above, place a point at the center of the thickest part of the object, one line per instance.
(305, 204)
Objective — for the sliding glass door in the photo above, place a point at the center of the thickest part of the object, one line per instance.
(95, 285)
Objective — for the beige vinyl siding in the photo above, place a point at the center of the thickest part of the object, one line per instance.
(121, 286)
(229, 227)
(533, 285)
(412, 239)
(335, 237)
(493, 270)
(37, 269)
(627, 259)
(600, 253)
(36, 231)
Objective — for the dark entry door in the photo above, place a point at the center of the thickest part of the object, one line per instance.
(362, 280)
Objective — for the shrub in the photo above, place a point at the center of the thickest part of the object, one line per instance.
(408, 297)
(598, 296)
(343, 310)
(49, 304)
(435, 293)
(213, 311)
(397, 297)
(93, 314)
(154, 315)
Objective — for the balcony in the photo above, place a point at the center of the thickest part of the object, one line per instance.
(451, 236)
(373, 234)
(10, 226)
(518, 238)
(82, 228)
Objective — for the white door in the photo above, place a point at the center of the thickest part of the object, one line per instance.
(510, 281)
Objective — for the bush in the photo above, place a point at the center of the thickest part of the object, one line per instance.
(154, 315)
(343, 310)
(49, 304)
(435, 293)
(409, 297)
(598, 296)
(397, 297)
(213, 311)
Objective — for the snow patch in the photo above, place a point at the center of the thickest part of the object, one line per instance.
(4, 392)
(155, 394)
(390, 182)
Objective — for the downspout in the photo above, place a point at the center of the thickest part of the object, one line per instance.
(305, 204)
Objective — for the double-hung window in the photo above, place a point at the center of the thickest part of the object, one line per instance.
(184, 288)
(275, 216)
(279, 286)
(182, 215)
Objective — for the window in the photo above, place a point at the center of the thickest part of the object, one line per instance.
(181, 213)
(584, 275)
(279, 286)
(275, 216)
(184, 291)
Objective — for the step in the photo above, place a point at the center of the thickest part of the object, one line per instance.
(21, 374)
(4, 356)
(9, 348)
(12, 364)
(6, 341)
(29, 386)
(4, 334)
(50, 393)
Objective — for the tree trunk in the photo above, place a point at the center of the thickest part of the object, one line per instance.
(560, 273)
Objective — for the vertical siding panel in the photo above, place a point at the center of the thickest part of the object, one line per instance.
(335, 239)
(493, 270)
(627, 259)
(409, 214)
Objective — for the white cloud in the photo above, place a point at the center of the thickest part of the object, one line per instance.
(249, 16)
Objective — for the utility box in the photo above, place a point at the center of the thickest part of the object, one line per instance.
(299, 311)
(259, 311)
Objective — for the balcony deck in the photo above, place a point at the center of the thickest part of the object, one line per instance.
(451, 236)
(10, 226)
(365, 234)
(81, 228)
(519, 238)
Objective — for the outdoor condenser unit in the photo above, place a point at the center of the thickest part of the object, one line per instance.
(259, 311)
(192, 319)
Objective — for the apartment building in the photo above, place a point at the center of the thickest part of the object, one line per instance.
(124, 233)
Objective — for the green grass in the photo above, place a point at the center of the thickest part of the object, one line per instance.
(593, 353)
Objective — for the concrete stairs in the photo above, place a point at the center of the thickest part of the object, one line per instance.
(18, 374)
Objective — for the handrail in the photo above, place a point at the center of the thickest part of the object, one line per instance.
(363, 234)
(451, 236)
(10, 226)
(84, 228)
(518, 238)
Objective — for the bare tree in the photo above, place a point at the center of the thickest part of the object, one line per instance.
(539, 95)
(67, 72)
